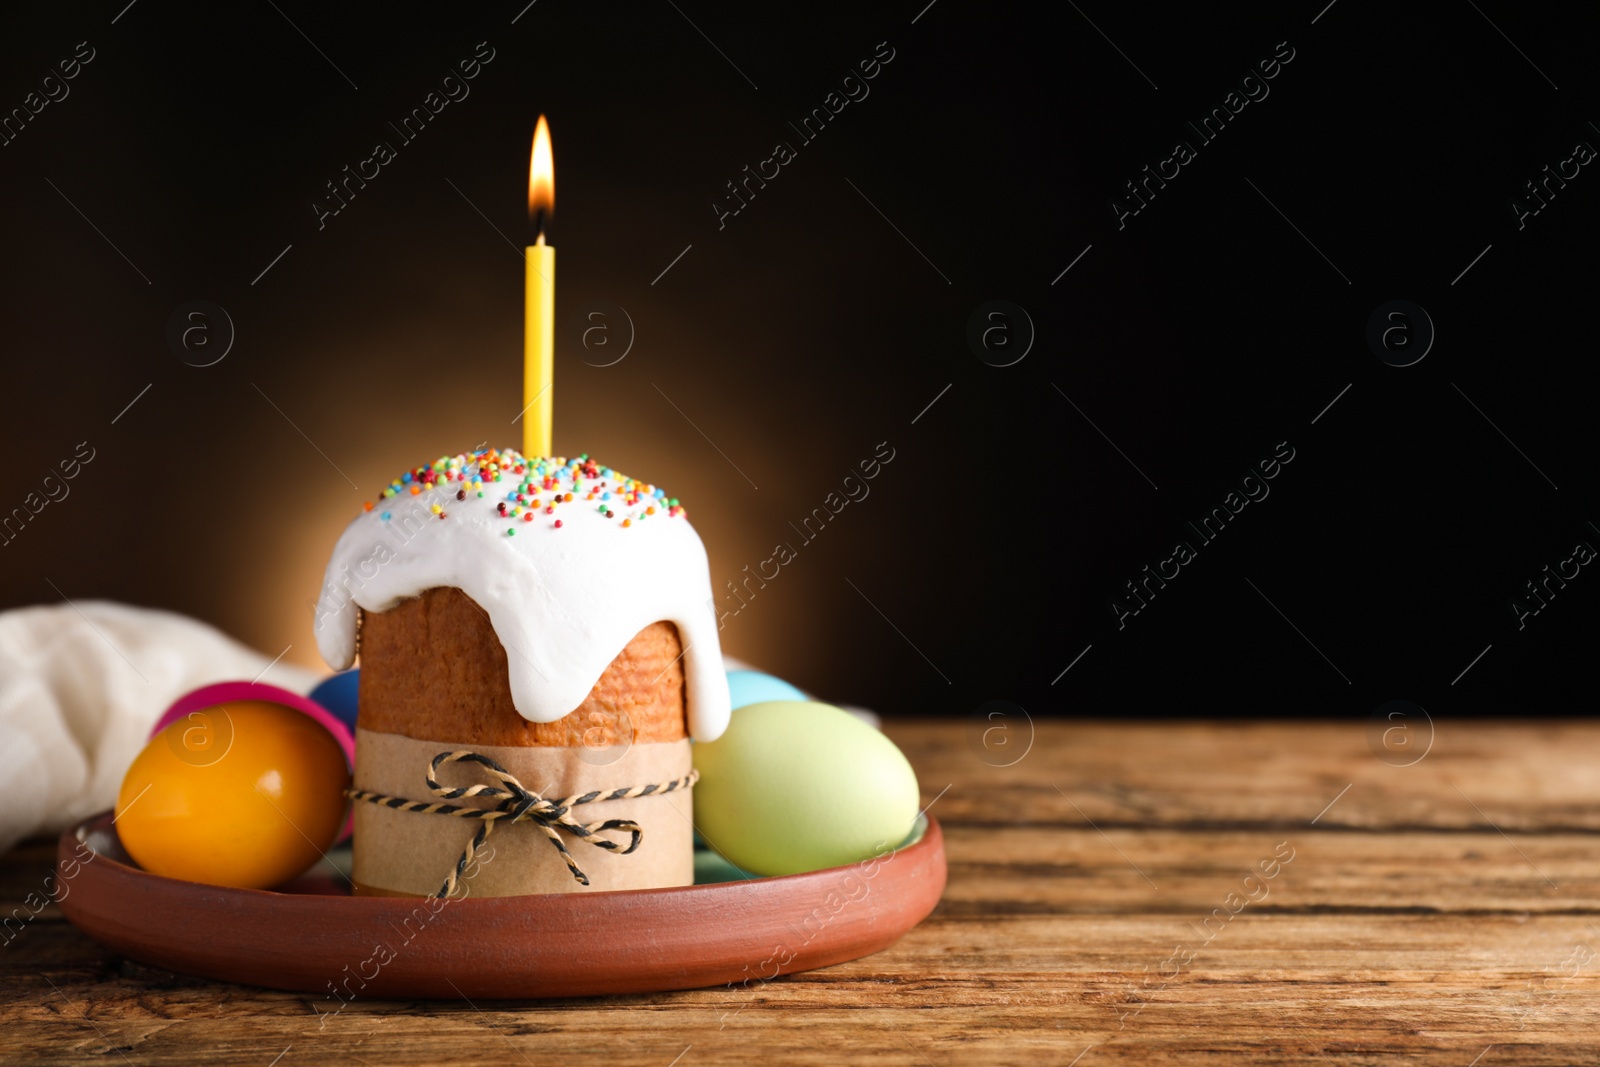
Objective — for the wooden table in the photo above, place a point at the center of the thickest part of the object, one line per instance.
(1123, 894)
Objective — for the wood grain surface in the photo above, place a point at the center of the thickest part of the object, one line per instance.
(1208, 893)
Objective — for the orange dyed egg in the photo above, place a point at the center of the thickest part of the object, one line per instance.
(244, 794)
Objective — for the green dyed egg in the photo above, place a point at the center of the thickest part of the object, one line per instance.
(796, 786)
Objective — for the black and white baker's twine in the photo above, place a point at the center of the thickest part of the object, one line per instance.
(515, 803)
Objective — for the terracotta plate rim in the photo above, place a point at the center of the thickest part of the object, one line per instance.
(547, 945)
(78, 833)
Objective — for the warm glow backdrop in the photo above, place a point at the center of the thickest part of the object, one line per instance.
(776, 347)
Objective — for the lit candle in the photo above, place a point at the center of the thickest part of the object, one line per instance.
(540, 307)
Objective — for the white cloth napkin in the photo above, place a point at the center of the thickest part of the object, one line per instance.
(81, 685)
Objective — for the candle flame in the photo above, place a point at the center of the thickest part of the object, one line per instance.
(541, 180)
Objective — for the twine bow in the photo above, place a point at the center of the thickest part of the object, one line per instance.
(516, 803)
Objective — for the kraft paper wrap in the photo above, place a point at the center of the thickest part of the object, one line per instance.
(409, 853)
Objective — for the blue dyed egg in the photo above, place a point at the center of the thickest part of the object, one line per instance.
(338, 695)
(753, 687)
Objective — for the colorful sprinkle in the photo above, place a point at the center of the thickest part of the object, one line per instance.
(524, 480)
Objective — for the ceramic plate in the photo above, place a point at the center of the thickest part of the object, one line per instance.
(313, 936)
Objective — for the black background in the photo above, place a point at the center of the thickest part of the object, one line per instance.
(827, 315)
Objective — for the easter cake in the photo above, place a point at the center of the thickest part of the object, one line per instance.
(537, 648)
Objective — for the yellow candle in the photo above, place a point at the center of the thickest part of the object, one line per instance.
(539, 350)
(540, 301)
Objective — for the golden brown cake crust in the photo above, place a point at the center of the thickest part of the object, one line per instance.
(433, 668)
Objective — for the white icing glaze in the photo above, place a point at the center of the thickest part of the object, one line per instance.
(562, 601)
